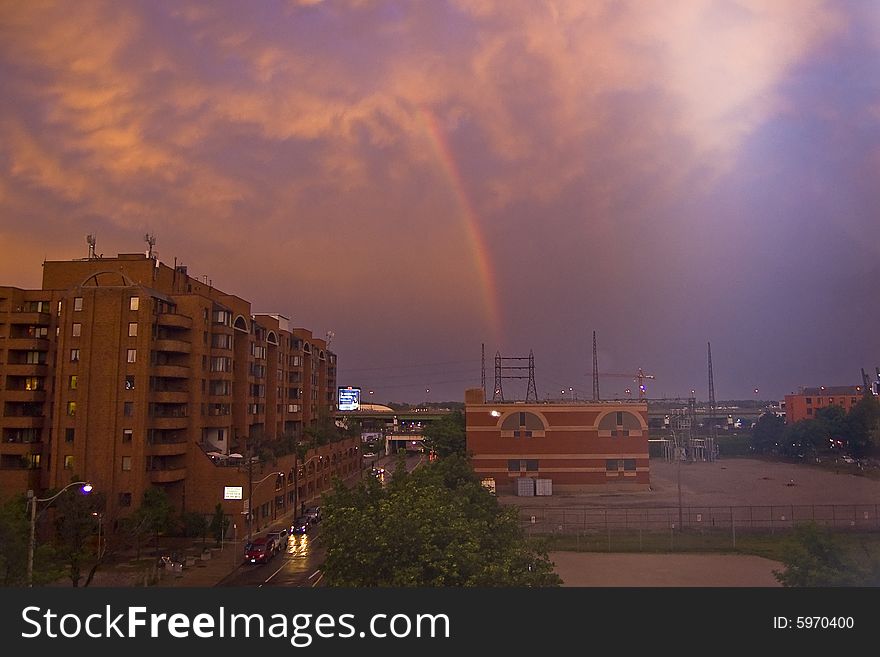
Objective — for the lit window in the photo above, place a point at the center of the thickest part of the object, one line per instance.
(132, 329)
(71, 408)
(74, 355)
(133, 303)
(131, 355)
(68, 461)
(129, 382)
(72, 382)
(77, 304)
(77, 330)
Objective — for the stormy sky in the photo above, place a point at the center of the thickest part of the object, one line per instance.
(424, 177)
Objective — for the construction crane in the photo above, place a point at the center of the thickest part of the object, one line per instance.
(639, 377)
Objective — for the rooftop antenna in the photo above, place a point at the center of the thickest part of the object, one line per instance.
(595, 371)
(91, 241)
(150, 239)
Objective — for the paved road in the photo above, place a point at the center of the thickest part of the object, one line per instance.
(300, 564)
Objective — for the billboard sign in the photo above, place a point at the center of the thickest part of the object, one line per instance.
(232, 492)
(349, 399)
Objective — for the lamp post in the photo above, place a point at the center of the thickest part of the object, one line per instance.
(252, 486)
(32, 501)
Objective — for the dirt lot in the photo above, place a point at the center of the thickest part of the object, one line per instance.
(597, 569)
(728, 482)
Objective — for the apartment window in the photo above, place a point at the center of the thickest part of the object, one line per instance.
(513, 465)
(132, 329)
(77, 304)
(74, 355)
(809, 400)
(35, 358)
(68, 435)
(133, 303)
(131, 355)
(77, 329)
(809, 411)
(71, 408)
(33, 461)
(72, 382)
(126, 463)
(611, 465)
(128, 409)
(532, 465)
(629, 465)
(33, 383)
(129, 382)
(124, 499)
(68, 461)
(127, 435)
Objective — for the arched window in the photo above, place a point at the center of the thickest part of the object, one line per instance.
(620, 424)
(522, 424)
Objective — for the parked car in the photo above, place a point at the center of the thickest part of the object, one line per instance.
(300, 525)
(280, 537)
(313, 513)
(260, 550)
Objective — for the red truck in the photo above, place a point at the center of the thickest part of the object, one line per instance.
(260, 550)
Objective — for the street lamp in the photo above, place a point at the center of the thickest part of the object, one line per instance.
(32, 499)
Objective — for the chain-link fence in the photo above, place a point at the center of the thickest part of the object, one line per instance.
(770, 518)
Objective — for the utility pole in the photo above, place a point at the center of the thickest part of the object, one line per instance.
(250, 516)
(595, 371)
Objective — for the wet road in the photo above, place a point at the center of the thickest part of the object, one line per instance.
(299, 565)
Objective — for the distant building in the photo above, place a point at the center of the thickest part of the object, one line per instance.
(805, 404)
(131, 374)
(580, 446)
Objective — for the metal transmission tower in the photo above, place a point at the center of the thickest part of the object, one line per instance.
(483, 369)
(595, 371)
(501, 368)
(712, 428)
(498, 395)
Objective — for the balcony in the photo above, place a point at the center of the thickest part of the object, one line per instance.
(216, 420)
(167, 449)
(167, 476)
(169, 396)
(26, 369)
(171, 371)
(174, 320)
(173, 346)
(22, 449)
(23, 422)
(180, 422)
(25, 395)
(31, 318)
(27, 344)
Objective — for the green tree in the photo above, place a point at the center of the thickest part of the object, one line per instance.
(768, 434)
(434, 527)
(219, 523)
(75, 523)
(833, 423)
(14, 536)
(156, 513)
(447, 435)
(815, 559)
(194, 524)
(804, 437)
(863, 426)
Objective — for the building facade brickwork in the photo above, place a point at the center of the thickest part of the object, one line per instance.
(578, 446)
(131, 374)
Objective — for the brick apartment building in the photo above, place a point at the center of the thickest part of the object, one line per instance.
(807, 401)
(131, 374)
(579, 446)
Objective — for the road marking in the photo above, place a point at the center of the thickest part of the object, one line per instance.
(275, 573)
(314, 573)
(317, 581)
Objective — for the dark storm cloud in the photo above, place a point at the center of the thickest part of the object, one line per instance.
(664, 173)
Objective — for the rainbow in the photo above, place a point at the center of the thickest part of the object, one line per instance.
(475, 242)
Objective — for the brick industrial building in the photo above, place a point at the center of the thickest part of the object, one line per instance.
(807, 401)
(130, 374)
(580, 446)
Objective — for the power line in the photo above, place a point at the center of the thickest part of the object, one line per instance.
(398, 367)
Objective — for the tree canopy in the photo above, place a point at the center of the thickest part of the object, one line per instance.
(447, 435)
(436, 526)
